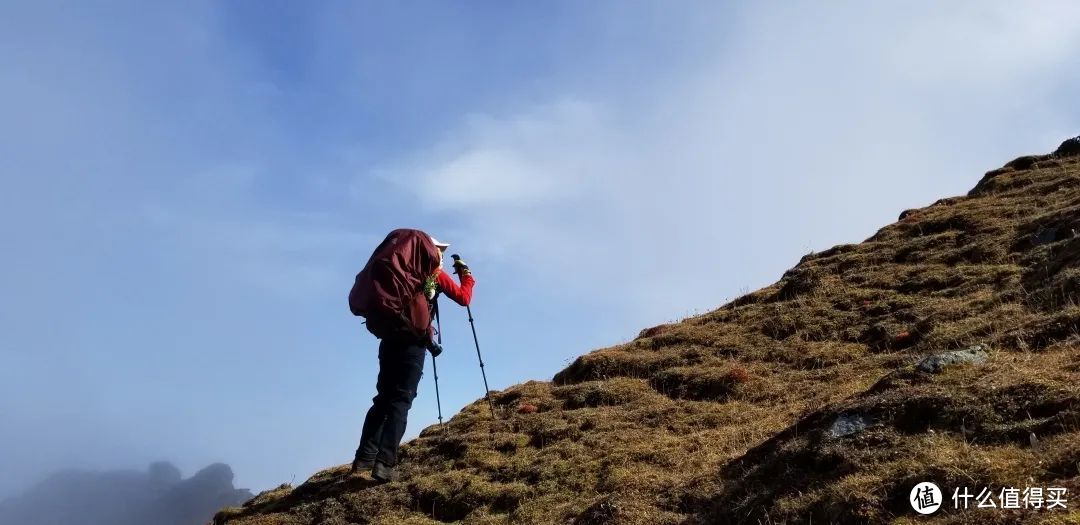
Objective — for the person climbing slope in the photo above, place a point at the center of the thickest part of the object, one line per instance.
(396, 293)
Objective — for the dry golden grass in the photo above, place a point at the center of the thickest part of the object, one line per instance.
(724, 417)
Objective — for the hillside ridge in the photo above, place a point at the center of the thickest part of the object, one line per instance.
(942, 348)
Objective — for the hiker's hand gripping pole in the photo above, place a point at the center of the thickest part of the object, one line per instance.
(472, 325)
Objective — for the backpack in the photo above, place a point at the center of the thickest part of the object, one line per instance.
(389, 291)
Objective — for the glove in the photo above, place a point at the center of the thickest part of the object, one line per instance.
(460, 267)
(434, 348)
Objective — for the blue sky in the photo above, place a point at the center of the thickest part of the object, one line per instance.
(188, 189)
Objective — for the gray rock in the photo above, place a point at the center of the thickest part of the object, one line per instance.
(847, 425)
(936, 363)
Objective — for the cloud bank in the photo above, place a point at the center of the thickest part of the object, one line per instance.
(804, 127)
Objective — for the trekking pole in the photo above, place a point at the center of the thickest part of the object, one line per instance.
(472, 325)
(438, 402)
(434, 368)
(487, 391)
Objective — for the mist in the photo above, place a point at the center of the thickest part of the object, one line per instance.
(158, 495)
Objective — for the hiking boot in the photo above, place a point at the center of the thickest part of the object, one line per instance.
(383, 473)
(359, 465)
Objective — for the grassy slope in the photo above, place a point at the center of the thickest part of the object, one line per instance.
(722, 417)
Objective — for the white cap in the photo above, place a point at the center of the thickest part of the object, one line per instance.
(442, 246)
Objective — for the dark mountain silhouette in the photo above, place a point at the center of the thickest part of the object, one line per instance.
(158, 496)
(943, 348)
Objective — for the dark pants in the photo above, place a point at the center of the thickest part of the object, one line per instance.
(400, 367)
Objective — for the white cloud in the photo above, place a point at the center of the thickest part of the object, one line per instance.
(812, 125)
(988, 42)
(485, 176)
(508, 162)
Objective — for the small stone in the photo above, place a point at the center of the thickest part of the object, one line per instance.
(936, 363)
(527, 408)
(847, 425)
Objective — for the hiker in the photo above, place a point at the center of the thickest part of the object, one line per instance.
(396, 293)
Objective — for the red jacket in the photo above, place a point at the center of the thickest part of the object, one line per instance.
(459, 294)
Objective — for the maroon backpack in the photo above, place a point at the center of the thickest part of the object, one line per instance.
(389, 291)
